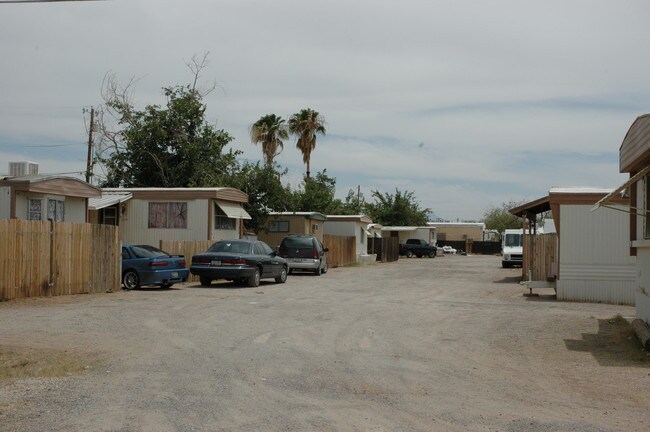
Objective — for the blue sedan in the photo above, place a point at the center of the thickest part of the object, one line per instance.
(147, 265)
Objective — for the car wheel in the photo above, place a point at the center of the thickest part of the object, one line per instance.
(325, 268)
(318, 271)
(254, 280)
(282, 278)
(432, 254)
(131, 280)
(205, 281)
(409, 254)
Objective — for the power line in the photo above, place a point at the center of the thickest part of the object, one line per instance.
(42, 1)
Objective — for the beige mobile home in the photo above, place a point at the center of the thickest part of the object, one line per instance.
(150, 215)
(46, 197)
(282, 224)
(458, 231)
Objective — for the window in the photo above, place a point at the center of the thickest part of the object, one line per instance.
(278, 226)
(168, 215)
(513, 240)
(109, 216)
(35, 209)
(222, 221)
(56, 210)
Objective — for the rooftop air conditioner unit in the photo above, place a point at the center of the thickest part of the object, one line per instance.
(24, 168)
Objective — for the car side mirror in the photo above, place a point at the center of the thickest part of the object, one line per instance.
(326, 250)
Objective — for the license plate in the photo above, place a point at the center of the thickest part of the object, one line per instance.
(174, 274)
(297, 260)
(216, 262)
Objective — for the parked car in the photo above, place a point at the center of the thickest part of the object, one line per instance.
(241, 261)
(304, 252)
(148, 265)
(449, 250)
(417, 247)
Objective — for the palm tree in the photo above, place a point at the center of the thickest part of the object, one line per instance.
(270, 130)
(305, 125)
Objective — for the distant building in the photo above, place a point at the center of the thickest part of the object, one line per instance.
(458, 231)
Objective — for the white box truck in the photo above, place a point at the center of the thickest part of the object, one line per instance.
(512, 251)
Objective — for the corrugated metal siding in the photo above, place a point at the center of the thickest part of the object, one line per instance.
(613, 292)
(595, 264)
(134, 223)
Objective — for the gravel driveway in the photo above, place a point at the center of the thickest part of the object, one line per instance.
(448, 344)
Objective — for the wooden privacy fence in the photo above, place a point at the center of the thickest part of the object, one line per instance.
(540, 257)
(342, 250)
(386, 248)
(57, 258)
(187, 248)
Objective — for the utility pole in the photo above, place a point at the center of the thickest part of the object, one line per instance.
(359, 197)
(89, 159)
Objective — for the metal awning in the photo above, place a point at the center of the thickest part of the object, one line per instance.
(605, 201)
(233, 210)
(108, 199)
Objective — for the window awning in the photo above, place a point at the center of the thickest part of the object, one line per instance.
(233, 210)
(108, 199)
(605, 201)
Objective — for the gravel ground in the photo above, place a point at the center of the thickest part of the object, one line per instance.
(449, 344)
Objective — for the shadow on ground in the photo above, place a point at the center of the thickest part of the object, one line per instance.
(537, 297)
(152, 289)
(226, 285)
(508, 280)
(615, 344)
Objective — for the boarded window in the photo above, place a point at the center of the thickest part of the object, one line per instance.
(168, 215)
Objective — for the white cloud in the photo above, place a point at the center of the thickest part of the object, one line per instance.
(552, 85)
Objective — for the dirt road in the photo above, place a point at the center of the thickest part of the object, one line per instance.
(448, 344)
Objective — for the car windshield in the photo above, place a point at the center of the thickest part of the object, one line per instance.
(239, 247)
(146, 251)
(513, 240)
(298, 242)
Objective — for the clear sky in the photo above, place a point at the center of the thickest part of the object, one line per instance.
(466, 103)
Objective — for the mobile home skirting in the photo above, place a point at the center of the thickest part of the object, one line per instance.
(614, 284)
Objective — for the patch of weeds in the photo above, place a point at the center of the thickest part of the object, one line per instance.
(352, 264)
(40, 363)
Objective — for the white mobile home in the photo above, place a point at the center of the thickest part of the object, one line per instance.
(592, 261)
(634, 158)
(352, 226)
(426, 233)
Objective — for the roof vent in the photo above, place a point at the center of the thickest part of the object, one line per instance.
(25, 168)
